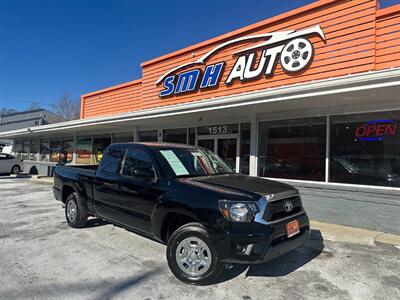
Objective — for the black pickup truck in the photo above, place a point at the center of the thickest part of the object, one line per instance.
(189, 199)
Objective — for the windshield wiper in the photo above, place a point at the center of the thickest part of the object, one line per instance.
(203, 175)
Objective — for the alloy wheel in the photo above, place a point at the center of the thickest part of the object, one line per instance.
(71, 211)
(193, 256)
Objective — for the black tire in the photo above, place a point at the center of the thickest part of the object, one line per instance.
(15, 170)
(198, 231)
(81, 216)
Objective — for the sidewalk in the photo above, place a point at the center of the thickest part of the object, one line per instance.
(347, 234)
(41, 179)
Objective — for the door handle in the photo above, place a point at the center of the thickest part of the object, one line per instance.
(116, 186)
(108, 185)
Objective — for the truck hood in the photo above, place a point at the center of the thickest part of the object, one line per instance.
(247, 184)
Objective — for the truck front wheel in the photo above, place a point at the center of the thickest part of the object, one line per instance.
(75, 211)
(192, 256)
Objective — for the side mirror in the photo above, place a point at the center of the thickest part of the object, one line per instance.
(143, 172)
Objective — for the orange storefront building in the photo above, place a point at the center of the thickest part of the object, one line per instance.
(311, 97)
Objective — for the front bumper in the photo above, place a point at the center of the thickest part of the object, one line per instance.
(255, 243)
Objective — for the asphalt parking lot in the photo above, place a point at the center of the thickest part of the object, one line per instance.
(42, 258)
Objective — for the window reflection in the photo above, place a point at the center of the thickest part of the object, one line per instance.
(55, 148)
(148, 136)
(293, 149)
(365, 149)
(44, 149)
(84, 150)
(100, 143)
(178, 136)
(68, 148)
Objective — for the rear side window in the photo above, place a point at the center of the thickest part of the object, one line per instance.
(111, 162)
(136, 158)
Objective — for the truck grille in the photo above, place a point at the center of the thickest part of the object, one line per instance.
(276, 209)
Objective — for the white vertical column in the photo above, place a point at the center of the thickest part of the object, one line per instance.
(328, 148)
(238, 148)
(74, 154)
(37, 154)
(253, 146)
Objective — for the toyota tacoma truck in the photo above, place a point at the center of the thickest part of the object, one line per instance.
(189, 199)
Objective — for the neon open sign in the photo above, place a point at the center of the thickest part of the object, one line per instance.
(376, 130)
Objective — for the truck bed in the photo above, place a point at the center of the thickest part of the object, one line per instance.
(72, 171)
(78, 175)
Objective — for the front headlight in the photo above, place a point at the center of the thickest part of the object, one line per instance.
(235, 211)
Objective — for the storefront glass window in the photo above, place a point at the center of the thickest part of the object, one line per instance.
(55, 148)
(175, 135)
(17, 148)
(245, 148)
(44, 149)
(192, 136)
(123, 137)
(33, 155)
(68, 148)
(26, 149)
(148, 136)
(293, 149)
(84, 150)
(100, 143)
(365, 149)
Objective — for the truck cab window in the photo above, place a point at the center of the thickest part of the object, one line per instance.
(134, 159)
(112, 161)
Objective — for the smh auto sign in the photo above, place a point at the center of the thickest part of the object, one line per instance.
(291, 48)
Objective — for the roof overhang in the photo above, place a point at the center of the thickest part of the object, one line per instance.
(340, 88)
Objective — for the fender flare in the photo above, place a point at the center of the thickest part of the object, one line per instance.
(70, 185)
(160, 213)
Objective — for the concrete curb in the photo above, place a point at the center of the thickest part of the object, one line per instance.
(347, 234)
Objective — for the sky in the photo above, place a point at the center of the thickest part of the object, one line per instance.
(51, 47)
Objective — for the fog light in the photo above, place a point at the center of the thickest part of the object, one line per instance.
(240, 248)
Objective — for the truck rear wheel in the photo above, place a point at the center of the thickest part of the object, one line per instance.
(192, 256)
(75, 211)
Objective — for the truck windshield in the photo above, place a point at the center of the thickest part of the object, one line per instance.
(191, 162)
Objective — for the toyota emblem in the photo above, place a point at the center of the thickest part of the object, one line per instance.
(288, 206)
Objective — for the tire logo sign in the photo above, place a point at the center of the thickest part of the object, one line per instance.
(296, 55)
(292, 49)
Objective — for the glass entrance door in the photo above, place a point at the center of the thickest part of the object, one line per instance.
(226, 148)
